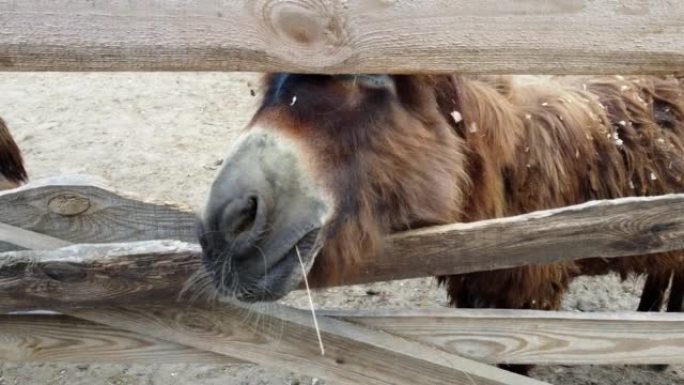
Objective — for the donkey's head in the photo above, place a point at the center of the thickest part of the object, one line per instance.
(326, 168)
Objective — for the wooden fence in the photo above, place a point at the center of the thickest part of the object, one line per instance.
(97, 258)
(105, 281)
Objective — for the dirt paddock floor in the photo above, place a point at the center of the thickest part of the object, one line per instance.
(163, 135)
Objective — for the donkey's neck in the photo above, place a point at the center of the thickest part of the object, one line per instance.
(490, 127)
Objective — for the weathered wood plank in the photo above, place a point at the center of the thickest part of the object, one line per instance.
(83, 275)
(125, 273)
(607, 229)
(491, 335)
(487, 36)
(82, 209)
(49, 338)
(285, 338)
(536, 337)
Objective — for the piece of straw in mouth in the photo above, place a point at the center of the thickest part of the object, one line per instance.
(311, 304)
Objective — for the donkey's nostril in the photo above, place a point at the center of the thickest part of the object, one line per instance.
(242, 223)
(246, 217)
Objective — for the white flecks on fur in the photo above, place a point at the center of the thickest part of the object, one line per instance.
(472, 127)
(294, 100)
(577, 153)
(545, 104)
(624, 88)
(653, 176)
(660, 140)
(622, 123)
(458, 118)
(528, 116)
(631, 184)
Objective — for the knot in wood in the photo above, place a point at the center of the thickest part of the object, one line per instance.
(309, 33)
(64, 272)
(69, 205)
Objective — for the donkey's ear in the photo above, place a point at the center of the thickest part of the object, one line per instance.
(371, 81)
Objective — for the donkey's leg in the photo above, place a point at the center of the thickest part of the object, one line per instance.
(653, 294)
(676, 302)
(653, 298)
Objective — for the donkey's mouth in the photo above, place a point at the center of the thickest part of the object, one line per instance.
(282, 276)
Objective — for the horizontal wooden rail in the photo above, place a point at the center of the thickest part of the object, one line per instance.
(49, 338)
(331, 36)
(131, 272)
(492, 336)
(536, 337)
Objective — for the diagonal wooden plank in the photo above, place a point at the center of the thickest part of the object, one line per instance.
(284, 337)
(372, 36)
(14, 237)
(51, 338)
(603, 228)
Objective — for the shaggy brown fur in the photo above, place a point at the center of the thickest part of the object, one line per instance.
(580, 139)
(12, 172)
(399, 158)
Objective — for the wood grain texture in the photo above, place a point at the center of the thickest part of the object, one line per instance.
(82, 209)
(607, 229)
(88, 274)
(285, 338)
(536, 337)
(372, 36)
(49, 338)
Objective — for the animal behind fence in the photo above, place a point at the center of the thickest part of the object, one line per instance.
(331, 164)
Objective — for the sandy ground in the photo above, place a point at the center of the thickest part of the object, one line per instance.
(163, 135)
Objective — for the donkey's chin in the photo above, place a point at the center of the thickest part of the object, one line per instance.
(282, 276)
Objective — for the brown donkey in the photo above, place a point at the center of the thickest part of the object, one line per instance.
(330, 165)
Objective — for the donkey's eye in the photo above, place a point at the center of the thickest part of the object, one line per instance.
(369, 81)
